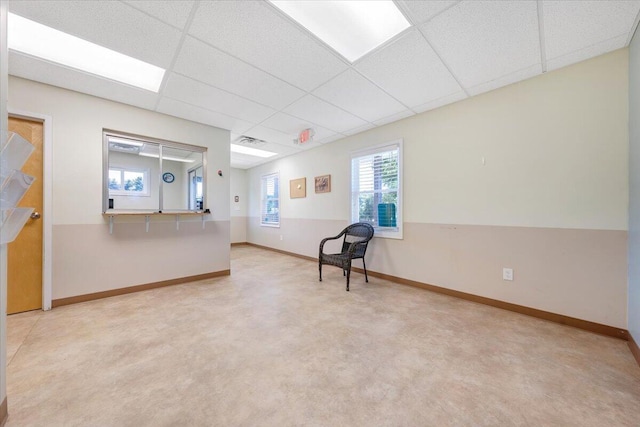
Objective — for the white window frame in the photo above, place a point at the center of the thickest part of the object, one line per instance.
(145, 182)
(384, 232)
(263, 200)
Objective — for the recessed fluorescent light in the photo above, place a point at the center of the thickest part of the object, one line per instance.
(44, 42)
(125, 141)
(251, 151)
(352, 28)
(175, 159)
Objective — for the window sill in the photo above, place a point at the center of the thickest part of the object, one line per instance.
(384, 234)
(270, 225)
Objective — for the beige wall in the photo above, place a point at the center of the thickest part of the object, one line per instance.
(634, 188)
(238, 181)
(550, 201)
(3, 254)
(86, 257)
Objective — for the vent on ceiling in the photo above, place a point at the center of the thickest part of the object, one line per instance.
(249, 140)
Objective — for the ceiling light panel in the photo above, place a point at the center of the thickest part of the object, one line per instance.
(44, 42)
(112, 24)
(212, 66)
(243, 161)
(260, 35)
(355, 94)
(173, 159)
(351, 27)
(570, 26)
(484, 40)
(205, 96)
(409, 70)
(39, 70)
(241, 149)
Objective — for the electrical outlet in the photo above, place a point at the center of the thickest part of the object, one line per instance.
(281, 237)
(507, 274)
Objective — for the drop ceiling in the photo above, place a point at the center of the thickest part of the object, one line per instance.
(246, 67)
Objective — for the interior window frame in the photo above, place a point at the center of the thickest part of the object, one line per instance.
(107, 133)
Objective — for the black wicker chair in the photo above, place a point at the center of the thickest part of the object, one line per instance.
(354, 246)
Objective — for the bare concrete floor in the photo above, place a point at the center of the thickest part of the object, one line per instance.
(271, 346)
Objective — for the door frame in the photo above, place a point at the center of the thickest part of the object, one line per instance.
(47, 191)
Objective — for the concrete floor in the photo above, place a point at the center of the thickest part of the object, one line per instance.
(271, 346)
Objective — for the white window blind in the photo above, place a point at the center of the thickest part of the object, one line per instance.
(376, 189)
(270, 200)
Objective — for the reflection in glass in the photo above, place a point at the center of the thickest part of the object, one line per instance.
(195, 189)
(143, 175)
(185, 192)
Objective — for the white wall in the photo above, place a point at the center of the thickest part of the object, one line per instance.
(3, 253)
(634, 188)
(82, 245)
(238, 181)
(550, 201)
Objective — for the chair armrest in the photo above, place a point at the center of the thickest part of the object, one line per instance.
(325, 240)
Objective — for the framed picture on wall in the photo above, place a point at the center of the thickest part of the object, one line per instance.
(323, 184)
(298, 188)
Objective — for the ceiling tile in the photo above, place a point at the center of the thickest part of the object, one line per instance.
(172, 12)
(422, 11)
(282, 143)
(292, 126)
(317, 111)
(570, 25)
(254, 32)
(506, 80)
(409, 70)
(271, 135)
(329, 139)
(359, 129)
(588, 52)
(46, 72)
(111, 24)
(483, 40)
(449, 99)
(243, 161)
(354, 93)
(209, 65)
(395, 117)
(213, 99)
(200, 115)
(269, 146)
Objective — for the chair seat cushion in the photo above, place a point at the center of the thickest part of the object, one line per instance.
(335, 259)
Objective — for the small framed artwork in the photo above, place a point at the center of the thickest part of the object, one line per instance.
(298, 188)
(323, 184)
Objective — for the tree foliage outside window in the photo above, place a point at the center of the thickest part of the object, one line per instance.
(376, 189)
(127, 182)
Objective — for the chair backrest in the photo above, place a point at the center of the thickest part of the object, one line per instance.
(360, 232)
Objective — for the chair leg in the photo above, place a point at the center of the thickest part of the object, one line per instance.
(348, 276)
(320, 270)
(366, 278)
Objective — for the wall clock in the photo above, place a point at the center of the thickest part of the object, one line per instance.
(168, 177)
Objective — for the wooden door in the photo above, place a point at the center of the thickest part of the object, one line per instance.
(24, 259)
